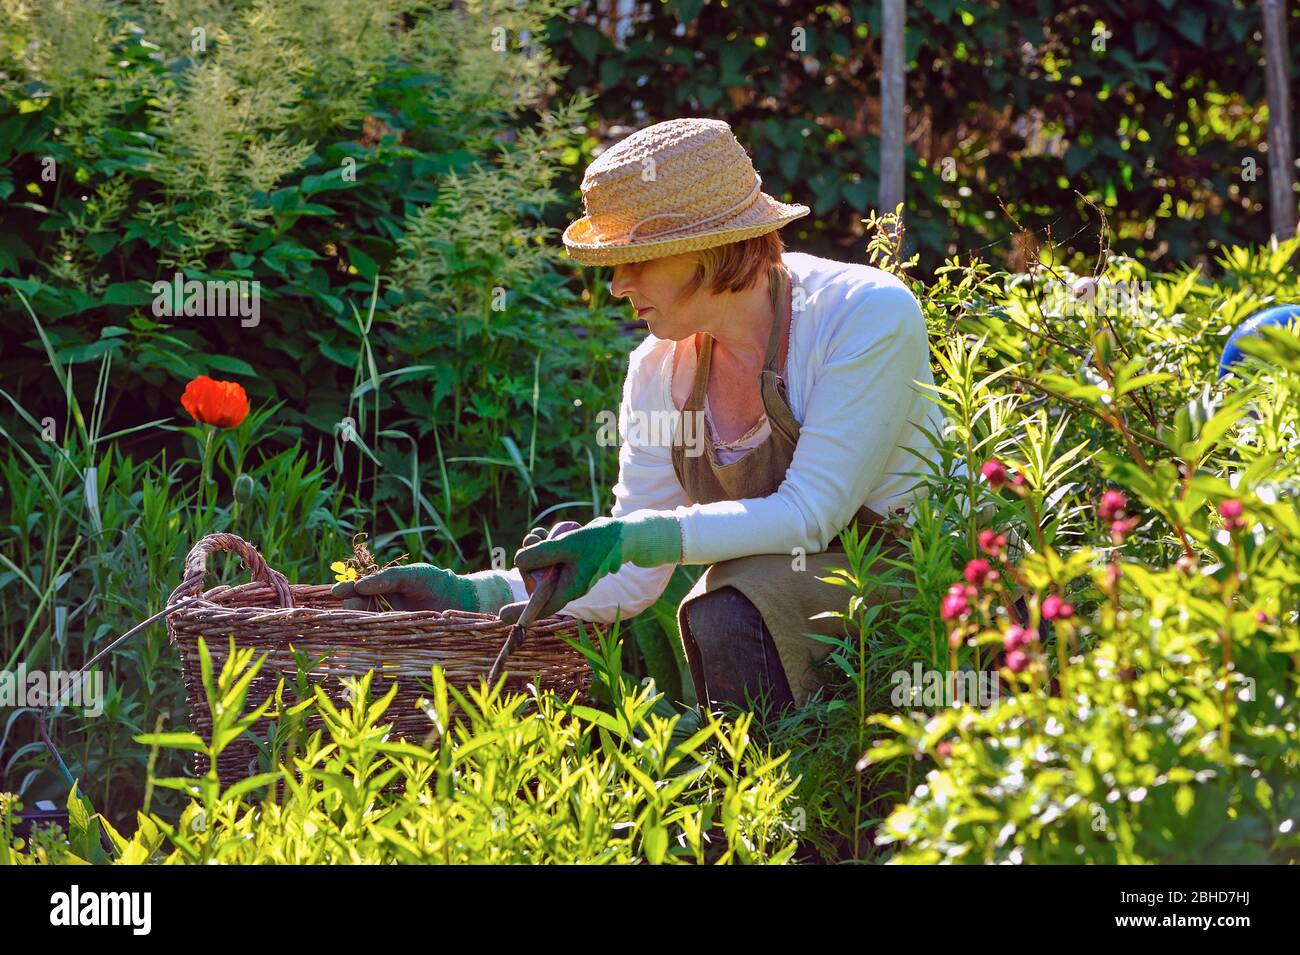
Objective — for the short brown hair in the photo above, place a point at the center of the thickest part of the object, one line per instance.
(735, 266)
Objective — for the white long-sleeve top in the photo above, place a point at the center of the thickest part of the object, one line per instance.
(857, 344)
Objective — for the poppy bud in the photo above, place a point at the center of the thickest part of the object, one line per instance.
(243, 489)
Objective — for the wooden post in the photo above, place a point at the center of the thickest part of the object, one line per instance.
(1281, 151)
(893, 86)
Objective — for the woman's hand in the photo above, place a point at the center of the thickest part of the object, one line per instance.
(513, 611)
(426, 587)
(646, 538)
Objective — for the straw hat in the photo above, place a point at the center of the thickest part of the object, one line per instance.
(677, 186)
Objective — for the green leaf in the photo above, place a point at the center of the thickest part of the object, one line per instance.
(733, 62)
(83, 827)
(128, 293)
(1145, 34)
(1141, 381)
(235, 366)
(655, 843)
(237, 790)
(1190, 22)
(101, 243)
(588, 41)
(179, 740)
(1077, 158)
(333, 179)
(365, 265)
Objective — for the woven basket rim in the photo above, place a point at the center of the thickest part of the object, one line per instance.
(213, 605)
(217, 598)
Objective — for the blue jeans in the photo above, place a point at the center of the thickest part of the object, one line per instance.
(736, 652)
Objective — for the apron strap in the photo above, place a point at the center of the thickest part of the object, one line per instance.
(703, 353)
(778, 281)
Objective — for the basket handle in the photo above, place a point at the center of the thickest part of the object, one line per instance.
(196, 561)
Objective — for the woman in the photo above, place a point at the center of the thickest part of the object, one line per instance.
(797, 371)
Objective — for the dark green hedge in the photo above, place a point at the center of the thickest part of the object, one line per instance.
(1154, 127)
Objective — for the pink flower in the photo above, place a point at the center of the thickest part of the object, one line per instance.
(1186, 564)
(953, 606)
(1113, 574)
(1016, 637)
(978, 572)
(992, 543)
(1119, 529)
(1017, 661)
(1231, 511)
(994, 472)
(944, 749)
(1112, 506)
(1055, 609)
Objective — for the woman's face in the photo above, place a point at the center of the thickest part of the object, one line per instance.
(654, 289)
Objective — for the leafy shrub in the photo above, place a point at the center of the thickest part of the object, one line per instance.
(1061, 387)
(383, 177)
(1152, 717)
(502, 779)
(383, 174)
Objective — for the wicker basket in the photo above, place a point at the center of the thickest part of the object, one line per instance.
(269, 614)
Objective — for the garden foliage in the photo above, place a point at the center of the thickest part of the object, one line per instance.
(1110, 535)
(1152, 108)
(501, 779)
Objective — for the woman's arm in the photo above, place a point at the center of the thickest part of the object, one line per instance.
(646, 479)
(862, 371)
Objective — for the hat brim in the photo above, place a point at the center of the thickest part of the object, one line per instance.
(765, 214)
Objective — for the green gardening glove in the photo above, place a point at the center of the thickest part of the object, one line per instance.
(646, 538)
(426, 587)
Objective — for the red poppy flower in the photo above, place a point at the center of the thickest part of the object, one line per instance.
(220, 403)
